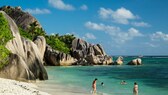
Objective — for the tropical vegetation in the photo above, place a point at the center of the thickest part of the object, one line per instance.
(5, 36)
(61, 43)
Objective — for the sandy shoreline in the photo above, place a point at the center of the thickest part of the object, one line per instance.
(59, 89)
(13, 87)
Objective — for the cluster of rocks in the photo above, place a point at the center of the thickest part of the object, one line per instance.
(82, 53)
(120, 61)
(88, 54)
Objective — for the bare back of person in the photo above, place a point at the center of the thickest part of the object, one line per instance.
(94, 85)
(135, 89)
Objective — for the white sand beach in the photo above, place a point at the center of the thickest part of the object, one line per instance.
(12, 87)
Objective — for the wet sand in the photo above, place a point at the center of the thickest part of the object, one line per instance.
(58, 89)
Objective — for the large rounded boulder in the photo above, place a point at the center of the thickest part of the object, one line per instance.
(119, 61)
(26, 57)
(136, 61)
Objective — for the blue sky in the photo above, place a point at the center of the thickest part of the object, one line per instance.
(122, 27)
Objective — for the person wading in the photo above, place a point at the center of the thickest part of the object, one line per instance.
(94, 85)
(135, 89)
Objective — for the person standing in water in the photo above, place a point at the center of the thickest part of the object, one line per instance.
(94, 85)
(135, 89)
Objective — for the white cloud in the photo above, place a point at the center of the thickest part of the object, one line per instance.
(159, 36)
(38, 11)
(59, 4)
(101, 27)
(115, 32)
(90, 36)
(140, 24)
(121, 15)
(134, 32)
(122, 37)
(84, 7)
(105, 13)
(151, 45)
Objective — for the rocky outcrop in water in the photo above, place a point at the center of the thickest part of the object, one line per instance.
(119, 61)
(136, 61)
(82, 53)
(90, 54)
(21, 18)
(56, 58)
(26, 58)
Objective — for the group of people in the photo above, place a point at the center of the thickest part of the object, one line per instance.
(135, 88)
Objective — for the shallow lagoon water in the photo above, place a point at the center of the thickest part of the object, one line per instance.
(151, 77)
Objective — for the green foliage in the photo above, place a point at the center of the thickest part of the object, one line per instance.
(61, 43)
(33, 31)
(55, 43)
(5, 36)
(25, 34)
(67, 39)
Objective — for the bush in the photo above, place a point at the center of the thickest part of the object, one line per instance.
(67, 39)
(25, 34)
(5, 36)
(33, 31)
(56, 44)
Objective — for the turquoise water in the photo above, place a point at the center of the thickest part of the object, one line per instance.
(152, 78)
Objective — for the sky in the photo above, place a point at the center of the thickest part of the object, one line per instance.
(122, 27)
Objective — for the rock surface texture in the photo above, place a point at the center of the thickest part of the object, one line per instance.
(22, 19)
(119, 61)
(88, 54)
(26, 58)
(56, 58)
(136, 61)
